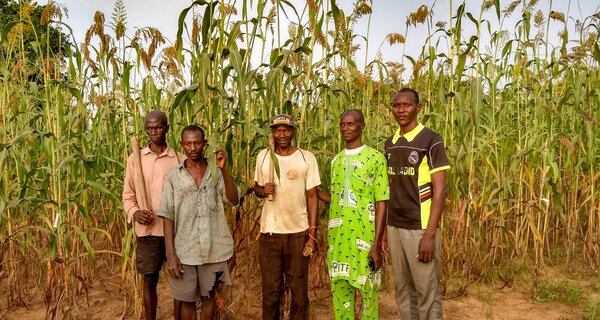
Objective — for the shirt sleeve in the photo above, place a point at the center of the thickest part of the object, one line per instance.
(381, 182)
(437, 156)
(313, 178)
(167, 203)
(130, 204)
(258, 174)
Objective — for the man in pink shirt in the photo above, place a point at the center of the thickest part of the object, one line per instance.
(157, 158)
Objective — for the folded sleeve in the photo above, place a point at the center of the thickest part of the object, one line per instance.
(130, 204)
(167, 201)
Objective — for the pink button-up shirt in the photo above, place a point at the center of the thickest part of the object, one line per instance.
(155, 168)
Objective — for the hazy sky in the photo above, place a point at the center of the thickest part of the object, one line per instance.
(388, 16)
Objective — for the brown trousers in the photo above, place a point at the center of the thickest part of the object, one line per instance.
(281, 259)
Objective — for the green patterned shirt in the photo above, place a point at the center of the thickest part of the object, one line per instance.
(358, 179)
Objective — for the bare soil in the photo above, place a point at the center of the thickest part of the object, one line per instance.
(106, 299)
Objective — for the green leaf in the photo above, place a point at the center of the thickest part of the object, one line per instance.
(274, 159)
(181, 21)
(20, 137)
(507, 47)
(86, 242)
(304, 49)
(275, 58)
(206, 23)
(210, 155)
(127, 245)
(497, 6)
(597, 53)
(458, 17)
(463, 57)
(101, 188)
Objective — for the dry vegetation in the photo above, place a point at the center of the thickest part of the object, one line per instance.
(519, 115)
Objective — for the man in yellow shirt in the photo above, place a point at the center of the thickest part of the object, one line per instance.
(288, 222)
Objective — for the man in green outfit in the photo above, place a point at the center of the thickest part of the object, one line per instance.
(359, 190)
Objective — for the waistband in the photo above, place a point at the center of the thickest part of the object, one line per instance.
(295, 234)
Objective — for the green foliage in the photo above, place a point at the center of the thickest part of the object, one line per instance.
(32, 29)
(592, 312)
(563, 292)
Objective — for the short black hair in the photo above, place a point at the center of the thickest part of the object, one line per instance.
(358, 115)
(193, 127)
(157, 114)
(407, 90)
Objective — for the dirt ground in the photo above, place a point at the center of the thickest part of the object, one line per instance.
(106, 300)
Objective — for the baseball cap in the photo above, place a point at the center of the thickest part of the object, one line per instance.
(282, 119)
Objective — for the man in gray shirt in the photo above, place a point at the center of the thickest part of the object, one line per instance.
(198, 240)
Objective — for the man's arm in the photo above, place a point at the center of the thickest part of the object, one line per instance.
(313, 180)
(380, 219)
(384, 244)
(230, 188)
(427, 244)
(129, 198)
(324, 196)
(382, 196)
(311, 206)
(167, 211)
(173, 262)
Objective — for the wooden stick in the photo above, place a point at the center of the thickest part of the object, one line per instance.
(140, 184)
(271, 163)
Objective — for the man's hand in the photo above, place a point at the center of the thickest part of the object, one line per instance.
(221, 158)
(310, 248)
(269, 189)
(174, 266)
(144, 217)
(385, 250)
(426, 248)
(375, 255)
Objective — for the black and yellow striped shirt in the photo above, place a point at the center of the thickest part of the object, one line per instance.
(411, 159)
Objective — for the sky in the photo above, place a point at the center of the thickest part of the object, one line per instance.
(388, 16)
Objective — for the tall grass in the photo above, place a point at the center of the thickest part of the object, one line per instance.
(520, 121)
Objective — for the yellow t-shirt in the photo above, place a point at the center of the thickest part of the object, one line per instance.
(287, 212)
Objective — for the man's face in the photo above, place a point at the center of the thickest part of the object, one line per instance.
(193, 144)
(405, 109)
(350, 128)
(156, 130)
(282, 135)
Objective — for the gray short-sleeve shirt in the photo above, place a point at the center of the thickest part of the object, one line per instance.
(202, 234)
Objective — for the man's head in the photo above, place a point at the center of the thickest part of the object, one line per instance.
(157, 126)
(405, 107)
(282, 128)
(193, 142)
(352, 123)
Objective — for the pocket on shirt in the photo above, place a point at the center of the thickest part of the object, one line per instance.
(211, 195)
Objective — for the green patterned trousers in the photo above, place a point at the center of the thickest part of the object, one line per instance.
(343, 301)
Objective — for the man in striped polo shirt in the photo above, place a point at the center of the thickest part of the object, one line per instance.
(417, 165)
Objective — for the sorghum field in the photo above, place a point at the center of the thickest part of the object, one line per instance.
(518, 107)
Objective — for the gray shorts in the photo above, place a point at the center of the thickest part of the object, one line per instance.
(199, 281)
